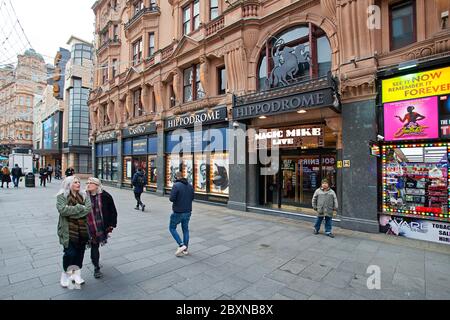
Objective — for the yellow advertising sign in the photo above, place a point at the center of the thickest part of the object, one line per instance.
(417, 85)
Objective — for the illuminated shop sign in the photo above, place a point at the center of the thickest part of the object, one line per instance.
(106, 136)
(417, 85)
(289, 137)
(302, 100)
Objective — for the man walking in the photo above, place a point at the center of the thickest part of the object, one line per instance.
(324, 202)
(16, 173)
(139, 181)
(181, 197)
(43, 176)
(49, 172)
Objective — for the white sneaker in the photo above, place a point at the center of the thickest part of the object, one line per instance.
(180, 251)
(185, 252)
(77, 277)
(64, 280)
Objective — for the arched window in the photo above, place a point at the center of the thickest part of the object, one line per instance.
(296, 54)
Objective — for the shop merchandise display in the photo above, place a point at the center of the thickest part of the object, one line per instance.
(415, 188)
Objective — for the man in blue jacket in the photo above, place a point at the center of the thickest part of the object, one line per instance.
(181, 197)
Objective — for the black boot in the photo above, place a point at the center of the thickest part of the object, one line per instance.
(97, 273)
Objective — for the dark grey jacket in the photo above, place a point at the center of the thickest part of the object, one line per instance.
(325, 202)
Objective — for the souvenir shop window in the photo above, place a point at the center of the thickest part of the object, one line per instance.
(152, 171)
(415, 180)
(219, 168)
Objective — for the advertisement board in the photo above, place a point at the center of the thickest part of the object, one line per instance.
(51, 132)
(417, 85)
(434, 231)
(411, 119)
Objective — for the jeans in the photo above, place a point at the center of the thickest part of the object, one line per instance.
(328, 224)
(95, 255)
(175, 220)
(137, 196)
(43, 180)
(73, 255)
(15, 181)
(49, 176)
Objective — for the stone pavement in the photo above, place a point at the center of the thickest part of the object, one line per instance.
(234, 255)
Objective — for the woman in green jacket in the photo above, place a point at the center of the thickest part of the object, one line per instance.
(73, 206)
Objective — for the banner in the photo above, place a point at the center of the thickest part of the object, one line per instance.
(434, 231)
(417, 85)
(411, 119)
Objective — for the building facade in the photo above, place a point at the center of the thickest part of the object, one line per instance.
(78, 82)
(18, 87)
(286, 91)
(48, 114)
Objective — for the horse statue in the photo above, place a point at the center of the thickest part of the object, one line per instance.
(287, 62)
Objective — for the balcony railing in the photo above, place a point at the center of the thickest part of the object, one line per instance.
(250, 10)
(215, 26)
(107, 43)
(141, 13)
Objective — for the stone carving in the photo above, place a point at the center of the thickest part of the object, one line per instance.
(177, 88)
(204, 64)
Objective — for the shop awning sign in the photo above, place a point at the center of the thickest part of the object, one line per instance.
(139, 130)
(291, 103)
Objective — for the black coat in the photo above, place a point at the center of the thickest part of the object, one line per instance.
(109, 210)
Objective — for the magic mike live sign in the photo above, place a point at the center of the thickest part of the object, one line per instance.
(303, 100)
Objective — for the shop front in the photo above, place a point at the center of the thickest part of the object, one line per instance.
(106, 157)
(197, 146)
(140, 148)
(294, 134)
(415, 193)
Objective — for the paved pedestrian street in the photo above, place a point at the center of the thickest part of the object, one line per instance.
(234, 255)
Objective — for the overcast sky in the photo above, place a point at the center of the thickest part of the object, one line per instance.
(50, 23)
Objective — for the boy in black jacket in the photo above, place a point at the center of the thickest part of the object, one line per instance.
(181, 196)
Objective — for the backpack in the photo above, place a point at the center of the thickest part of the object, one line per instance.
(140, 181)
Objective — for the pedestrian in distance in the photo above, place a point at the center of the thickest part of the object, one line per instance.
(181, 196)
(73, 206)
(6, 176)
(1, 172)
(102, 219)
(49, 172)
(43, 176)
(325, 203)
(70, 172)
(16, 174)
(58, 172)
(139, 182)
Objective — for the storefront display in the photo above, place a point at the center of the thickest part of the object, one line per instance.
(203, 162)
(107, 161)
(219, 174)
(140, 147)
(415, 180)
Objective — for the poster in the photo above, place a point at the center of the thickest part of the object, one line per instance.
(129, 169)
(152, 171)
(411, 120)
(434, 231)
(173, 165)
(444, 114)
(219, 174)
(201, 173)
(188, 169)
